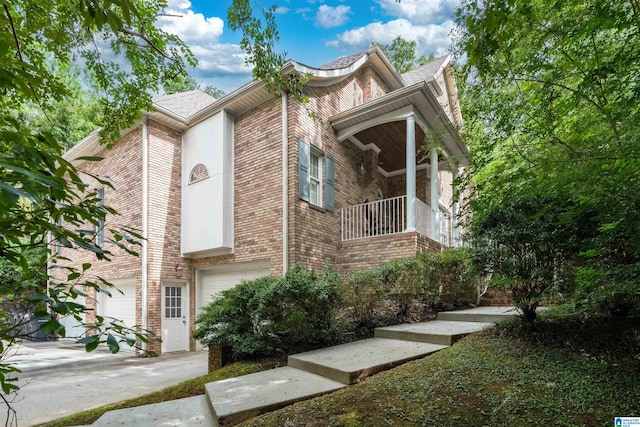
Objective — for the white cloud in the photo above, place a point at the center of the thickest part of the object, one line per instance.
(429, 38)
(420, 11)
(329, 17)
(191, 27)
(219, 65)
(282, 10)
(304, 12)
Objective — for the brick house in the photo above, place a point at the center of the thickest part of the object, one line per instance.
(251, 184)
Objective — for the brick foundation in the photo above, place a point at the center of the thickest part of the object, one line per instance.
(218, 357)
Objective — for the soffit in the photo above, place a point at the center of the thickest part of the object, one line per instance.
(382, 122)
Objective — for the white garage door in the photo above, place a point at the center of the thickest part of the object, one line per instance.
(215, 280)
(72, 328)
(121, 306)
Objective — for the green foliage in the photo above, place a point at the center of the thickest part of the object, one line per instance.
(551, 110)
(273, 316)
(258, 42)
(184, 83)
(42, 195)
(402, 54)
(446, 279)
(366, 294)
(404, 290)
(304, 310)
(300, 310)
(529, 247)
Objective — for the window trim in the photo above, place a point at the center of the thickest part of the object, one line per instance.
(314, 152)
(325, 178)
(199, 166)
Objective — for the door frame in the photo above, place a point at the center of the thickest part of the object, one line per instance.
(187, 313)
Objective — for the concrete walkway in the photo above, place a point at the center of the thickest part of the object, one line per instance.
(310, 374)
(60, 378)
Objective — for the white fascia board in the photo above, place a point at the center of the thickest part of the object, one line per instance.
(442, 166)
(393, 116)
(330, 74)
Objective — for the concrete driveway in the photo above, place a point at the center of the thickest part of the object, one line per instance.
(60, 378)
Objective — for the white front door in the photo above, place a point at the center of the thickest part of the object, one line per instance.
(174, 317)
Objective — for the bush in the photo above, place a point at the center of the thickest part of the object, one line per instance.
(278, 316)
(366, 293)
(299, 311)
(445, 279)
(233, 320)
(273, 316)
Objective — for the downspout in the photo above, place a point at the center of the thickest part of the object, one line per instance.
(285, 185)
(145, 224)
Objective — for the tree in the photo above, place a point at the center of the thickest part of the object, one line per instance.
(258, 41)
(552, 107)
(42, 196)
(184, 83)
(402, 54)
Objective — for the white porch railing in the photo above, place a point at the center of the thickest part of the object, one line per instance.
(423, 218)
(389, 216)
(377, 218)
(445, 228)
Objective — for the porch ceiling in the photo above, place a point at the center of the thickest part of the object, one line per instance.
(391, 138)
(382, 122)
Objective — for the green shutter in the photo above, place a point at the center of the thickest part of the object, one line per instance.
(304, 153)
(330, 186)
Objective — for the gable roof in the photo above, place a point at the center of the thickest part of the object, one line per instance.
(343, 62)
(426, 72)
(183, 104)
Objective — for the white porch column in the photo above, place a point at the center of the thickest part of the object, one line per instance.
(435, 205)
(411, 173)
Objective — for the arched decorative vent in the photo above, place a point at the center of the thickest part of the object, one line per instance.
(198, 173)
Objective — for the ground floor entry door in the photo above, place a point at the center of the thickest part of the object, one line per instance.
(175, 319)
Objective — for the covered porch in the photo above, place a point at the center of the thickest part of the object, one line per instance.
(412, 141)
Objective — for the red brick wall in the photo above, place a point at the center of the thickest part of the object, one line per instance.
(315, 233)
(164, 198)
(368, 253)
(257, 189)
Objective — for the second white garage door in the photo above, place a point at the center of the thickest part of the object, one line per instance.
(121, 306)
(214, 280)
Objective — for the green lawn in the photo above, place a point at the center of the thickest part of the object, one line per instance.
(569, 372)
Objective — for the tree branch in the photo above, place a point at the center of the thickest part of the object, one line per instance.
(149, 42)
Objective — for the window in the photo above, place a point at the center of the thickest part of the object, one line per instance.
(172, 302)
(316, 176)
(100, 225)
(198, 173)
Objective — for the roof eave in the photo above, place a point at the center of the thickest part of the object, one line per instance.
(454, 143)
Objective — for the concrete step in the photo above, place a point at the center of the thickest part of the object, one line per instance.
(188, 412)
(237, 399)
(479, 314)
(348, 363)
(443, 332)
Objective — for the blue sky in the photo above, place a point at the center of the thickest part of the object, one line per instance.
(313, 32)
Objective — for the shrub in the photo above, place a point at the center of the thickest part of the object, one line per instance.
(445, 279)
(273, 316)
(367, 293)
(233, 319)
(299, 311)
